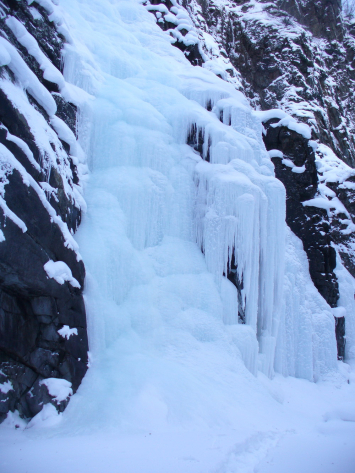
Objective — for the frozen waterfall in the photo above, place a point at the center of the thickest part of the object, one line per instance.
(164, 223)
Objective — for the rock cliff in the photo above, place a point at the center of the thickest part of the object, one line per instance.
(43, 340)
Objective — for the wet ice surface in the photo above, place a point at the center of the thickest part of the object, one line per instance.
(171, 385)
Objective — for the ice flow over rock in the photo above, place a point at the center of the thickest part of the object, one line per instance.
(178, 238)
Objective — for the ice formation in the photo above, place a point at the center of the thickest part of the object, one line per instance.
(181, 199)
(165, 219)
(195, 287)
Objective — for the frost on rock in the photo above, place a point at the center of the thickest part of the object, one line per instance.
(335, 194)
(332, 171)
(289, 55)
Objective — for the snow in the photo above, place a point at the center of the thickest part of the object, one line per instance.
(306, 434)
(275, 153)
(345, 413)
(23, 146)
(285, 120)
(339, 312)
(35, 13)
(47, 418)
(177, 16)
(65, 134)
(60, 272)
(5, 170)
(299, 169)
(50, 72)
(54, 15)
(46, 139)
(175, 382)
(6, 387)
(8, 163)
(5, 57)
(322, 203)
(10, 57)
(67, 332)
(59, 389)
(331, 169)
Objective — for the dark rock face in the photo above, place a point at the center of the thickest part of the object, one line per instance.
(310, 224)
(38, 210)
(322, 17)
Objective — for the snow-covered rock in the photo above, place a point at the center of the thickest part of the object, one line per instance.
(41, 185)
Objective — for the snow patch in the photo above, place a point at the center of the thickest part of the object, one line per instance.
(50, 72)
(59, 389)
(275, 153)
(67, 332)
(339, 312)
(11, 58)
(285, 120)
(61, 272)
(6, 387)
